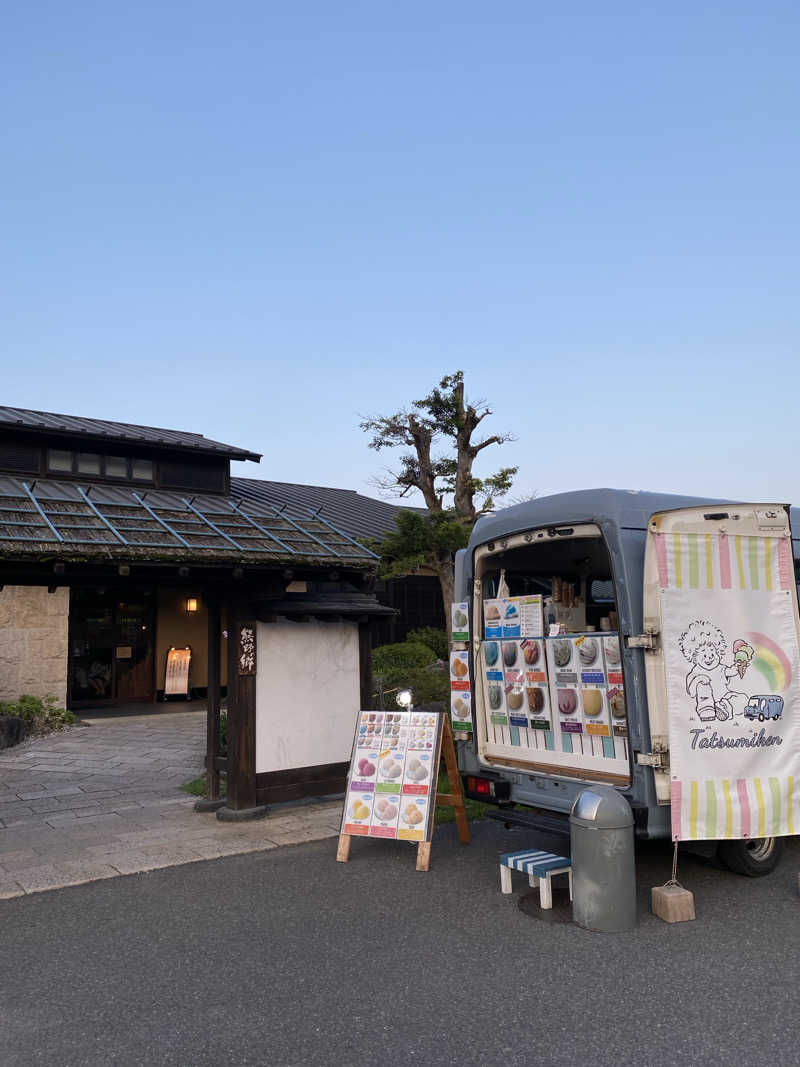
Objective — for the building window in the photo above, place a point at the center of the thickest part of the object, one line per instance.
(142, 470)
(116, 467)
(94, 465)
(89, 463)
(176, 475)
(59, 461)
(20, 458)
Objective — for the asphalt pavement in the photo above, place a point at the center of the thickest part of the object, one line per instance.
(287, 958)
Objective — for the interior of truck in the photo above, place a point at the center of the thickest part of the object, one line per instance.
(579, 565)
(576, 724)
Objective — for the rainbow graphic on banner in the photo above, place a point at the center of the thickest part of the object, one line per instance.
(771, 662)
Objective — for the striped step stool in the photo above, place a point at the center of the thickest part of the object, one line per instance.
(540, 867)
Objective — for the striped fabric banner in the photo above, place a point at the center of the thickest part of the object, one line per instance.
(720, 808)
(731, 650)
(717, 561)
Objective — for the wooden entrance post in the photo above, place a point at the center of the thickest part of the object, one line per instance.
(454, 799)
(242, 668)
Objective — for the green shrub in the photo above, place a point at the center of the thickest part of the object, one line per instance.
(428, 684)
(405, 656)
(433, 638)
(39, 715)
(223, 732)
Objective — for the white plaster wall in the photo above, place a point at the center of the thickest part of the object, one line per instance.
(307, 693)
(34, 627)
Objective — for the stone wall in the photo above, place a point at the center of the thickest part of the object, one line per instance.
(34, 626)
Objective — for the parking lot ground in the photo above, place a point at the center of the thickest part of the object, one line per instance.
(287, 957)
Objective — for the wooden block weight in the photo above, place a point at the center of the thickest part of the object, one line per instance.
(672, 903)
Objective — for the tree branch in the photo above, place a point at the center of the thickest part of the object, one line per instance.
(495, 439)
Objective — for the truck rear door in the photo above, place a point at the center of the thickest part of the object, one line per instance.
(720, 607)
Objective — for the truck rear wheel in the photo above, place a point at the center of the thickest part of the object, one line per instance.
(754, 857)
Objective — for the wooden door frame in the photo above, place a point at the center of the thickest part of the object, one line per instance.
(151, 699)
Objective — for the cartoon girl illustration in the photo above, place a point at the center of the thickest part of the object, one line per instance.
(708, 681)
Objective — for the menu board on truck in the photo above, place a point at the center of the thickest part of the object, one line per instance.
(590, 712)
(460, 692)
(494, 682)
(563, 669)
(513, 617)
(391, 785)
(461, 710)
(459, 621)
(537, 690)
(615, 693)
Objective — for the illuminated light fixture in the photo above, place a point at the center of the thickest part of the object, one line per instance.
(191, 604)
(404, 698)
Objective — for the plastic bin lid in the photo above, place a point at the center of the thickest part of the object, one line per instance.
(602, 807)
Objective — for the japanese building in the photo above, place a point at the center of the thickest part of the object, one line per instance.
(120, 544)
(111, 532)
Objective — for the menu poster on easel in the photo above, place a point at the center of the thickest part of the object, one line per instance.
(392, 779)
(176, 678)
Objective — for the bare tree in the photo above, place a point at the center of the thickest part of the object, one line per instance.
(452, 493)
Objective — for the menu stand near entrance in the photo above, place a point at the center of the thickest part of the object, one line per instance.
(454, 799)
(176, 673)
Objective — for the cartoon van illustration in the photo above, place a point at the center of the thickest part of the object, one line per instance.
(764, 707)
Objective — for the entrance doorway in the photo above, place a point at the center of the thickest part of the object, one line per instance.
(111, 646)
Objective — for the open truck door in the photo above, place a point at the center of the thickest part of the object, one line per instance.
(722, 657)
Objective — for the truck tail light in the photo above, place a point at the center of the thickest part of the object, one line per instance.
(481, 786)
(488, 788)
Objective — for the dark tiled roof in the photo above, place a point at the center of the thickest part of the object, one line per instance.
(360, 516)
(70, 520)
(75, 427)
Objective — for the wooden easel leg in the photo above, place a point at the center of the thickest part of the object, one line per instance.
(424, 856)
(343, 850)
(454, 778)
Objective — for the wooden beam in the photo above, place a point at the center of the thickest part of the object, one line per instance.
(241, 718)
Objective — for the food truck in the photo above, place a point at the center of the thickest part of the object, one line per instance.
(643, 640)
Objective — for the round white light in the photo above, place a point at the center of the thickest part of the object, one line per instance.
(404, 698)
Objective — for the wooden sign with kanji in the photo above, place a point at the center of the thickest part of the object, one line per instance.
(247, 648)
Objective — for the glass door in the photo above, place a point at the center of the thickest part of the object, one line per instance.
(111, 653)
(133, 649)
(91, 644)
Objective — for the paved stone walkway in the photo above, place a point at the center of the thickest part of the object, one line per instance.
(104, 799)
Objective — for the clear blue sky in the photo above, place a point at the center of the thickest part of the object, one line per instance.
(257, 220)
